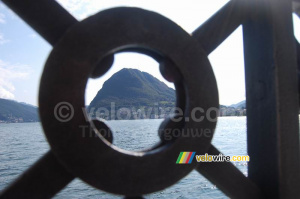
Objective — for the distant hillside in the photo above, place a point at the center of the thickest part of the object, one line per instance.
(132, 88)
(238, 109)
(12, 111)
(239, 105)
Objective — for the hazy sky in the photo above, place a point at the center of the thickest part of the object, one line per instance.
(23, 52)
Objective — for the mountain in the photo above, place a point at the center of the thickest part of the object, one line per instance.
(238, 109)
(131, 88)
(239, 105)
(139, 95)
(12, 111)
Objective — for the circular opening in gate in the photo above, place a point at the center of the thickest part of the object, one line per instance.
(132, 98)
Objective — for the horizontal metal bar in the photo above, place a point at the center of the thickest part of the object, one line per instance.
(42, 180)
(228, 178)
(46, 17)
(217, 28)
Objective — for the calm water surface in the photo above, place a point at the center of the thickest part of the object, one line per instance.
(22, 144)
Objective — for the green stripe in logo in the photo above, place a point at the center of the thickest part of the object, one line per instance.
(179, 157)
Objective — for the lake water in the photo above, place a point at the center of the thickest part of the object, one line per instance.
(21, 144)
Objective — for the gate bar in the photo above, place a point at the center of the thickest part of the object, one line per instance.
(272, 98)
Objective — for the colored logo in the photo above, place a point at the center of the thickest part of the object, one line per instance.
(185, 158)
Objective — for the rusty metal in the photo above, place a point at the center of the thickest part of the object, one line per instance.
(85, 49)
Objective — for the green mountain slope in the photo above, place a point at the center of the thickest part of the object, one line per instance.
(12, 111)
(131, 87)
(134, 95)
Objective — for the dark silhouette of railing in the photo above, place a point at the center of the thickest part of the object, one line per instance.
(271, 90)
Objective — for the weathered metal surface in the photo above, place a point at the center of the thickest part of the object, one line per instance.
(272, 99)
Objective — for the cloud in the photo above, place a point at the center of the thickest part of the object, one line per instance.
(9, 14)
(8, 74)
(2, 39)
(2, 18)
(33, 36)
(72, 5)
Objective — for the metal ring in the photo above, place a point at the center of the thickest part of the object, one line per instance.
(71, 63)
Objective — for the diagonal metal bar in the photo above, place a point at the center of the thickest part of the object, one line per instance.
(43, 180)
(46, 17)
(217, 28)
(228, 178)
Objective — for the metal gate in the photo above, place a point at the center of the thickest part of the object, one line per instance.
(85, 49)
